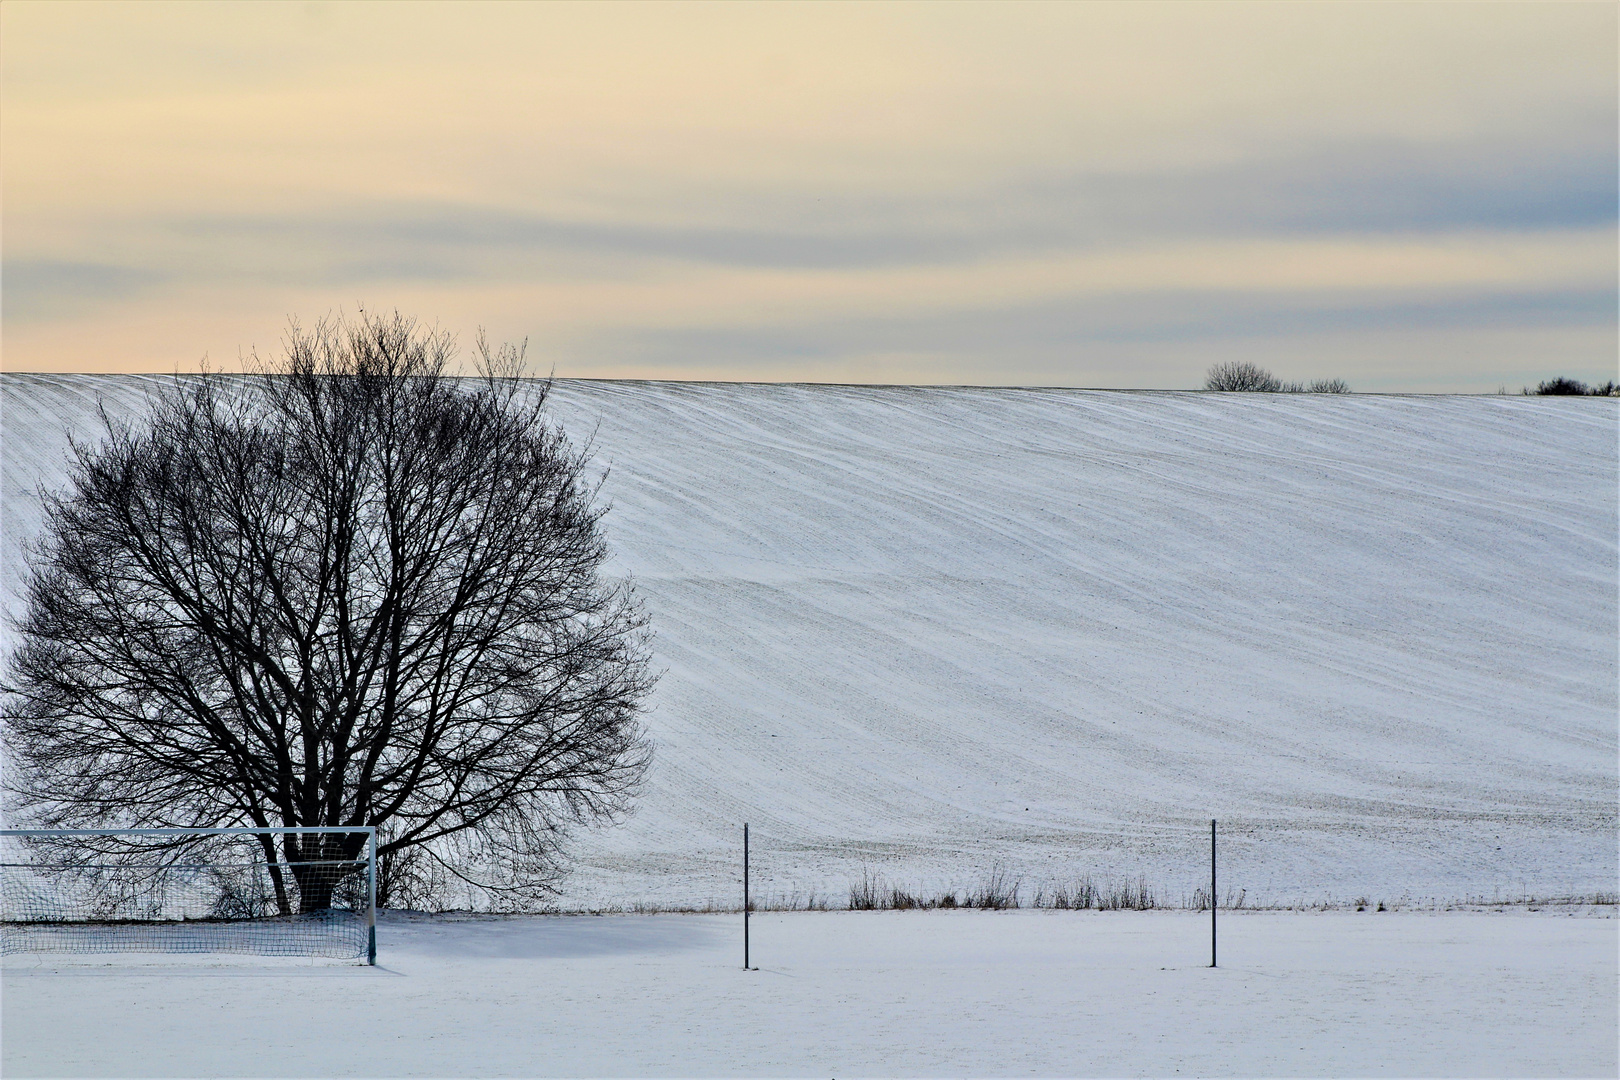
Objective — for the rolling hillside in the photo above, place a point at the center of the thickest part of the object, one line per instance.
(925, 632)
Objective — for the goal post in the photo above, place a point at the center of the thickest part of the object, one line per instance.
(288, 891)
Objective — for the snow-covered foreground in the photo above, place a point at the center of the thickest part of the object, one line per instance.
(851, 994)
(926, 631)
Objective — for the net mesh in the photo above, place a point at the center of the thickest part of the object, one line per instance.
(113, 893)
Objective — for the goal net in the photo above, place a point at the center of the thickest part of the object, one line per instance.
(277, 892)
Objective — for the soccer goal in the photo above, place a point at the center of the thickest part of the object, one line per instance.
(274, 892)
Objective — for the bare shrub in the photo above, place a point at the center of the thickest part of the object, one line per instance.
(1074, 896)
(873, 893)
(997, 893)
(1564, 387)
(1234, 900)
(1241, 375)
(867, 893)
(1126, 896)
(793, 901)
(903, 900)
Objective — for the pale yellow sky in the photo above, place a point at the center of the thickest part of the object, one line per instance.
(1411, 197)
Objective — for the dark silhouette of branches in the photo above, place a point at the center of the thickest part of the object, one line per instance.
(346, 589)
(1566, 387)
(1241, 375)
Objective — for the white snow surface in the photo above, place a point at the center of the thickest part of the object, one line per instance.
(1025, 993)
(930, 632)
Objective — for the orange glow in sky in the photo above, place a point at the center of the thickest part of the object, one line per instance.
(1406, 196)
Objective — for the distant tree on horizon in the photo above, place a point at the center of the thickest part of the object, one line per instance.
(1244, 376)
(1564, 387)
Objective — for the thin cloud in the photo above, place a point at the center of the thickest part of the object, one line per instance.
(802, 180)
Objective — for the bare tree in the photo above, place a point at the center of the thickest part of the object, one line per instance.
(346, 589)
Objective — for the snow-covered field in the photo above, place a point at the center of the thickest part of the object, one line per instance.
(925, 632)
(929, 633)
(854, 993)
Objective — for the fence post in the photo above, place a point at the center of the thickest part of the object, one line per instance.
(371, 898)
(745, 896)
(1212, 894)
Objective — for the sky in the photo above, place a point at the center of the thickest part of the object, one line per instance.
(1410, 197)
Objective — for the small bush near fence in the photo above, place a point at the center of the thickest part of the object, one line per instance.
(998, 892)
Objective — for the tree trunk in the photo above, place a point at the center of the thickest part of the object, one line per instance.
(324, 862)
(315, 886)
(283, 906)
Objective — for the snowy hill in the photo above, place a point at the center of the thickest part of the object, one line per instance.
(928, 631)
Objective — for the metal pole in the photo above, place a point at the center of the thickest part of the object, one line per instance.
(371, 899)
(745, 896)
(1212, 893)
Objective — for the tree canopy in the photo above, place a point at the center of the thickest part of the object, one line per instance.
(347, 588)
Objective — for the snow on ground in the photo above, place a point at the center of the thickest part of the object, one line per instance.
(852, 994)
(927, 631)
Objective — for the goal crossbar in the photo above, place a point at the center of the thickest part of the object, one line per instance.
(243, 831)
